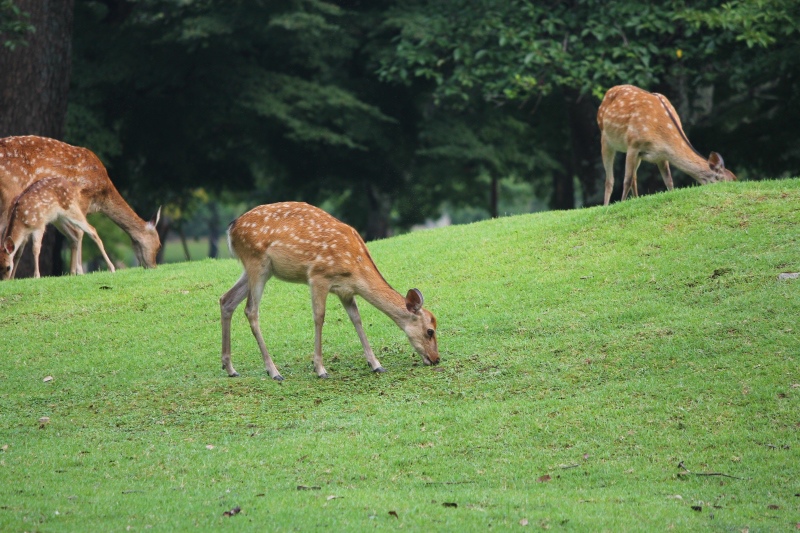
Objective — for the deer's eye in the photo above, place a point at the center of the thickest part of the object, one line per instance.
(430, 333)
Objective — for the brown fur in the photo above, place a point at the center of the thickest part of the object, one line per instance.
(49, 200)
(27, 159)
(299, 243)
(645, 126)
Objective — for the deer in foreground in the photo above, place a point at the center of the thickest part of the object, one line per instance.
(26, 159)
(49, 200)
(645, 126)
(300, 243)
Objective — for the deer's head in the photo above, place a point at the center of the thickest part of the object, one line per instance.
(421, 328)
(7, 259)
(148, 244)
(717, 166)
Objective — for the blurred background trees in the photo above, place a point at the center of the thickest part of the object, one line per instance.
(390, 113)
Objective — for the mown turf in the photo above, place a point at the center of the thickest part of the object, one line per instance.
(621, 369)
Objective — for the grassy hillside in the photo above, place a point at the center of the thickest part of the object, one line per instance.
(625, 368)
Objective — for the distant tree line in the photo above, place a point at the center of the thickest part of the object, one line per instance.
(383, 110)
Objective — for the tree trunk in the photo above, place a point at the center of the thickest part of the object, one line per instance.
(34, 83)
(380, 204)
(494, 197)
(585, 158)
(213, 230)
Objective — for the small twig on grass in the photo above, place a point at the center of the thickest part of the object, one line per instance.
(574, 465)
(688, 472)
(709, 474)
(448, 482)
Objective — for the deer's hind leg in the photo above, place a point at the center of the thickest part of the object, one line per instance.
(228, 303)
(608, 153)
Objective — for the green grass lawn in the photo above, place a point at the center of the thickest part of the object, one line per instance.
(608, 369)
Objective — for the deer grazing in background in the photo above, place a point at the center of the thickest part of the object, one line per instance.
(54, 201)
(299, 243)
(645, 126)
(26, 159)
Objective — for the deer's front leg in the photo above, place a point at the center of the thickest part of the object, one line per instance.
(256, 289)
(632, 162)
(96, 238)
(72, 234)
(36, 243)
(355, 317)
(666, 175)
(319, 296)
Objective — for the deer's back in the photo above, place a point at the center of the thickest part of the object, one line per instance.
(299, 241)
(632, 117)
(45, 200)
(27, 159)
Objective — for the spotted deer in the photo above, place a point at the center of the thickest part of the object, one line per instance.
(300, 243)
(56, 201)
(645, 126)
(26, 159)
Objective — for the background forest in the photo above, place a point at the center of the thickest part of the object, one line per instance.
(389, 113)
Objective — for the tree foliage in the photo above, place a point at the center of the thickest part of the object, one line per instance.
(14, 24)
(384, 110)
(713, 59)
(228, 95)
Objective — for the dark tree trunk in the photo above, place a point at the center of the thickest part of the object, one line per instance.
(163, 228)
(585, 159)
(34, 83)
(494, 198)
(213, 230)
(380, 205)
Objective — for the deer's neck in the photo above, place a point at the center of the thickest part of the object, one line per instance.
(687, 160)
(375, 290)
(118, 210)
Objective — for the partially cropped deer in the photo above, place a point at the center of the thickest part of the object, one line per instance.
(26, 159)
(299, 243)
(645, 126)
(56, 201)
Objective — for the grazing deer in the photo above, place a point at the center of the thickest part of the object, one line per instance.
(26, 159)
(300, 243)
(49, 200)
(645, 126)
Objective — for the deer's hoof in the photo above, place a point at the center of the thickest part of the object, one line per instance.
(379, 370)
(234, 375)
(277, 377)
(323, 376)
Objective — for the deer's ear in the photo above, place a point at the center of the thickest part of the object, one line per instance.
(715, 162)
(414, 300)
(8, 246)
(154, 221)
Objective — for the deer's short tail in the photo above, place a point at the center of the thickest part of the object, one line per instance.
(230, 245)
